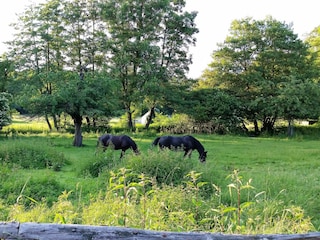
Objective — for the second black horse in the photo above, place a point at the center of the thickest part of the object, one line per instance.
(185, 143)
(118, 142)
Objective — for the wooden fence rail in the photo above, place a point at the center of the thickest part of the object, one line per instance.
(47, 231)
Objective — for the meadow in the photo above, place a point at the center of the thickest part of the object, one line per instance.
(248, 184)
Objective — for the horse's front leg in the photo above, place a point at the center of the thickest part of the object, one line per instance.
(122, 154)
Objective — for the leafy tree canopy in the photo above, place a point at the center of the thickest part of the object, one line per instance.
(258, 62)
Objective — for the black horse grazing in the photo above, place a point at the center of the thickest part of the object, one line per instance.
(122, 142)
(185, 143)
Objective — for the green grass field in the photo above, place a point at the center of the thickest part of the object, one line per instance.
(286, 170)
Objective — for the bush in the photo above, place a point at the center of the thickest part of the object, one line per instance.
(104, 161)
(30, 191)
(166, 166)
(31, 155)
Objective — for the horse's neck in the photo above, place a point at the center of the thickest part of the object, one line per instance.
(199, 147)
(134, 146)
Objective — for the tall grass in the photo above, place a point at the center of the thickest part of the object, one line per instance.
(247, 185)
(132, 204)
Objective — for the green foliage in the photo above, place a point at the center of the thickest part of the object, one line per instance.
(177, 123)
(132, 204)
(147, 56)
(160, 190)
(31, 155)
(103, 161)
(213, 107)
(5, 116)
(166, 167)
(269, 77)
(31, 191)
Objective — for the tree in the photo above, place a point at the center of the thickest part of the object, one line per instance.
(5, 71)
(5, 115)
(313, 40)
(58, 51)
(254, 62)
(36, 52)
(205, 105)
(149, 45)
(88, 96)
(299, 100)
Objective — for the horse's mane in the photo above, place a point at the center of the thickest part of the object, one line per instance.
(134, 145)
(198, 145)
(156, 141)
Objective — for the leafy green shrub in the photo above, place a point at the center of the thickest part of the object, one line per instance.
(4, 211)
(103, 161)
(30, 191)
(166, 166)
(31, 155)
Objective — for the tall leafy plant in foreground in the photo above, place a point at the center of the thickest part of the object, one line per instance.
(136, 200)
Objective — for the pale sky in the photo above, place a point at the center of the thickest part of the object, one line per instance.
(213, 20)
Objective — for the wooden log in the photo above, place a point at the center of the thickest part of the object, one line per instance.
(48, 231)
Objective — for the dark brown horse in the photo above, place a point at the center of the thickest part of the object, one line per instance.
(185, 143)
(118, 142)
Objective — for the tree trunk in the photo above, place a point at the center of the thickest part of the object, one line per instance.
(56, 121)
(88, 121)
(150, 117)
(77, 141)
(244, 127)
(129, 121)
(290, 128)
(48, 122)
(268, 124)
(256, 127)
(94, 122)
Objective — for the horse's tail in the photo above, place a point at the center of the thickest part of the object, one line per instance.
(156, 141)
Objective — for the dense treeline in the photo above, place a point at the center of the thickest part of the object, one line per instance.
(94, 59)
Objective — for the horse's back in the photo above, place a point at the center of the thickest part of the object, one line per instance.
(129, 142)
(190, 140)
(187, 141)
(170, 141)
